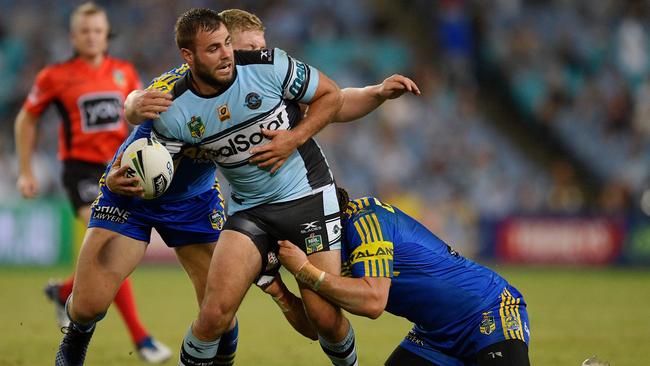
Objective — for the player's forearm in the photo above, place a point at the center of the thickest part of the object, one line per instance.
(358, 102)
(292, 308)
(130, 112)
(25, 136)
(355, 295)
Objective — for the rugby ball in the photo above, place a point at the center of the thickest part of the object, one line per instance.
(150, 162)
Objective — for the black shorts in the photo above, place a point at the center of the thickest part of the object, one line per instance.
(81, 182)
(313, 223)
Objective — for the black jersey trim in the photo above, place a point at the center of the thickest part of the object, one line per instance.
(67, 125)
(256, 57)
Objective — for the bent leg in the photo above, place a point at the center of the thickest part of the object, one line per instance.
(336, 335)
(105, 260)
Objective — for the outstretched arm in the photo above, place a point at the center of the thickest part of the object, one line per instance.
(358, 102)
(292, 308)
(366, 296)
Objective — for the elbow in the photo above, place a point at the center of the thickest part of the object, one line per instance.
(374, 306)
(374, 311)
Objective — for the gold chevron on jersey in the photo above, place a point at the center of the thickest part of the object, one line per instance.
(166, 81)
(356, 206)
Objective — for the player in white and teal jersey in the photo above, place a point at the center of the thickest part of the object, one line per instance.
(464, 314)
(227, 108)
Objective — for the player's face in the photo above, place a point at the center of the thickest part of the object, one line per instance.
(213, 59)
(249, 40)
(89, 35)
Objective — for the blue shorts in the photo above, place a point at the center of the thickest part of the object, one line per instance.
(507, 319)
(196, 220)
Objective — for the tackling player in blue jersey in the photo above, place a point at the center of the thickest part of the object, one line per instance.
(464, 314)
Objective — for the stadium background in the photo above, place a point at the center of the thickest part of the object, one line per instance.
(528, 150)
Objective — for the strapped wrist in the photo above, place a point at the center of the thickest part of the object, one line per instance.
(310, 275)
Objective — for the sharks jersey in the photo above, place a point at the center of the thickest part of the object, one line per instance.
(202, 132)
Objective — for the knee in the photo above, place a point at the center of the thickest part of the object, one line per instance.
(86, 311)
(214, 321)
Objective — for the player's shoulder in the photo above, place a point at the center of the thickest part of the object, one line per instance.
(366, 206)
(264, 56)
(168, 80)
(118, 62)
(58, 69)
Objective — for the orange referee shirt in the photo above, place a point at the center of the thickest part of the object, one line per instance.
(91, 103)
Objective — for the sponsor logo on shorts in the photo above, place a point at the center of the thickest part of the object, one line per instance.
(253, 100)
(217, 219)
(110, 213)
(196, 126)
(333, 230)
(310, 227)
(272, 261)
(313, 243)
(487, 323)
(159, 184)
(412, 337)
(223, 112)
(512, 323)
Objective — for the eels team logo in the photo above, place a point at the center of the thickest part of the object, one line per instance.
(512, 323)
(217, 219)
(196, 126)
(487, 324)
(313, 243)
(253, 100)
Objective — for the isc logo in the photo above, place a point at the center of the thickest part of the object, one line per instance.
(233, 149)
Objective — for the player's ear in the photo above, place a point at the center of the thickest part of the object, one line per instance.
(187, 55)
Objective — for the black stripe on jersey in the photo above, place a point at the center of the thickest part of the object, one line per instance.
(285, 83)
(67, 124)
(241, 126)
(257, 57)
(318, 172)
(181, 86)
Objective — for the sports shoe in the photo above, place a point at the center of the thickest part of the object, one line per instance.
(152, 351)
(52, 290)
(73, 347)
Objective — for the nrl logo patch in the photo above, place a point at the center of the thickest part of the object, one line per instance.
(196, 126)
(313, 243)
(487, 324)
(217, 219)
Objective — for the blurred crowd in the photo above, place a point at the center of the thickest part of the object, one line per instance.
(579, 68)
(582, 69)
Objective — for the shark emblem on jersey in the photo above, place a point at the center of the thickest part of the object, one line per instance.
(196, 126)
(253, 100)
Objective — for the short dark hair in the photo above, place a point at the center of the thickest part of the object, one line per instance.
(191, 22)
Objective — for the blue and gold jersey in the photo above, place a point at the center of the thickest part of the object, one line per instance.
(203, 132)
(432, 285)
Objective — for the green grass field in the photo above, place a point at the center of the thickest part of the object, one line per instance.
(574, 313)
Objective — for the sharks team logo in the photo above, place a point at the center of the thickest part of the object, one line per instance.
(196, 126)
